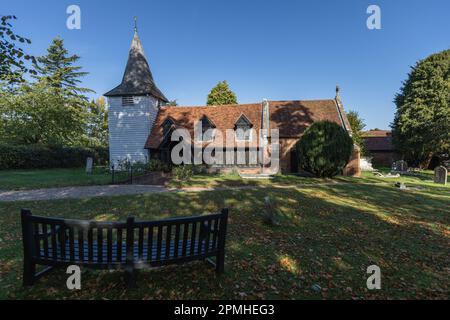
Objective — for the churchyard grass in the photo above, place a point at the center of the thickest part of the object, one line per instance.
(328, 234)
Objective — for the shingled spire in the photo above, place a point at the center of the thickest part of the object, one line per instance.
(137, 79)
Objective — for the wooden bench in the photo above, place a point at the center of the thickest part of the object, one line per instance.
(129, 245)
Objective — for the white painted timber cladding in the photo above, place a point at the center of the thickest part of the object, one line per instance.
(129, 128)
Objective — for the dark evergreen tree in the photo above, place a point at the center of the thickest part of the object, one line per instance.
(59, 72)
(324, 149)
(421, 127)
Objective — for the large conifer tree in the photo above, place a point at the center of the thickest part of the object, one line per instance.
(59, 72)
(421, 128)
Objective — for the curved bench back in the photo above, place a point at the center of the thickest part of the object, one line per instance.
(54, 241)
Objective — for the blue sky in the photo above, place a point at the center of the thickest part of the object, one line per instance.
(278, 50)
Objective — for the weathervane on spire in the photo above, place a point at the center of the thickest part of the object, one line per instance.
(337, 91)
(135, 24)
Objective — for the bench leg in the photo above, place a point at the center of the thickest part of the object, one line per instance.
(29, 271)
(130, 278)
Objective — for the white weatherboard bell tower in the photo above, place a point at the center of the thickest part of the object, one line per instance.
(132, 108)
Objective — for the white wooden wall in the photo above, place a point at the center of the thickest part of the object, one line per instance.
(129, 128)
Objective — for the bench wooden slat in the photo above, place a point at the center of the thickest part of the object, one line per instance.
(100, 244)
(201, 234)
(208, 234)
(168, 239)
(44, 231)
(193, 237)
(90, 245)
(141, 241)
(158, 243)
(37, 240)
(81, 244)
(185, 238)
(71, 244)
(177, 239)
(110, 246)
(62, 239)
(54, 246)
(150, 242)
(119, 244)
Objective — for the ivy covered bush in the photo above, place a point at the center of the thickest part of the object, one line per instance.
(325, 149)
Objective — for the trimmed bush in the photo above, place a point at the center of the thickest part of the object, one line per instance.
(42, 157)
(325, 149)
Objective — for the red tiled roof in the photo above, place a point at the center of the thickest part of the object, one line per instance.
(290, 117)
(293, 117)
(377, 133)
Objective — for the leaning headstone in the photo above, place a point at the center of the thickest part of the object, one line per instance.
(89, 164)
(440, 175)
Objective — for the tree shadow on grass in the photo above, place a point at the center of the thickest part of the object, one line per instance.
(327, 237)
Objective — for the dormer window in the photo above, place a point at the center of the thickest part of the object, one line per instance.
(128, 101)
(167, 125)
(207, 133)
(243, 128)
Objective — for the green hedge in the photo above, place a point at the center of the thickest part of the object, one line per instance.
(40, 157)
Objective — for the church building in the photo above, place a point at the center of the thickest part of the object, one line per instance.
(140, 121)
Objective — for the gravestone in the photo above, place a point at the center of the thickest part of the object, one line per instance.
(440, 175)
(89, 164)
(400, 165)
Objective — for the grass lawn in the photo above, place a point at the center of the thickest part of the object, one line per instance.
(46, 178)
(329, 234)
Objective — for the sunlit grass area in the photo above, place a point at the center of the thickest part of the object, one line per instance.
(46, 178)
(328, 235)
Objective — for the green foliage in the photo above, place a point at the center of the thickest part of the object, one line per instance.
(357, 125)
(324, 149)
(183, 173)
(421, 126)
(34, 115)
(221, 95)
(155, 165)
(53, 110)
(172, 103)
(97, 125)
(12, 57)
(39, 156)
(58, 71)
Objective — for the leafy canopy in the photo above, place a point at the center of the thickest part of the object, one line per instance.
(324, 149)
(221, 94)
(421, 127)
(12, 57)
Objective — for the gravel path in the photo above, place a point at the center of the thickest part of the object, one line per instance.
(78, 192)
(95, 191)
